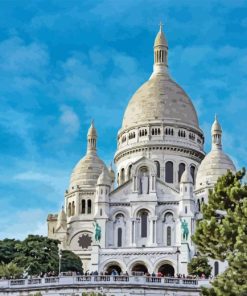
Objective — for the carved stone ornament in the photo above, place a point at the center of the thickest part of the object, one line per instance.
(84, 241)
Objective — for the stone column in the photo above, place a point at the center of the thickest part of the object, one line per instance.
(133, 232)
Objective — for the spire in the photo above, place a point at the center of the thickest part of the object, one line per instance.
(216, 133)
(160, 52)
(91, 139)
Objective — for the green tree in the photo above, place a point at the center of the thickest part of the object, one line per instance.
(7, 250)
(10, 270)
(70, 262)
(222, 234)
(37, 254)
(199, 265)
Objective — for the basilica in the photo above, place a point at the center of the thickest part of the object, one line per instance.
(139, 217)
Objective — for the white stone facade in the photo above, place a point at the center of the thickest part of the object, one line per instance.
(160, 151)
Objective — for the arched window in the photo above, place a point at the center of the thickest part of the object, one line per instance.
(199, 205)
(129, 172)
(192, 172)
(119, 237)
(83, 206)
(89, 206)
(73, 209)
(181, 169)
(169, 236)
(216, 268)
(144, 224)
(69, 210)
(169, 172)
(122, 176)
(157, 168)
(101, 212)
(185, 209)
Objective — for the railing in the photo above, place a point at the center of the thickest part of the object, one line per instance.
(102, 280)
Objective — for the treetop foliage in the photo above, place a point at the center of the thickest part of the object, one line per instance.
(222, 233)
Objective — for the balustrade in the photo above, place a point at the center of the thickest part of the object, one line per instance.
(103, 280)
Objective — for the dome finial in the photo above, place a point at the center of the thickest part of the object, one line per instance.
(160, 53)
(91, 138)
(216, 133)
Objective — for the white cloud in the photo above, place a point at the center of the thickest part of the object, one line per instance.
(69, 120)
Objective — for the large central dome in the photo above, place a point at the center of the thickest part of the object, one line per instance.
(160, 99)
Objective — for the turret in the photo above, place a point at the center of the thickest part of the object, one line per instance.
(102, 194)
(61, 221)
(187, 204)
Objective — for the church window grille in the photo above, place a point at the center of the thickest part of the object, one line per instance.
(119, 237)
(169, 236)
(169, 172)
(192, 172)
(144, 222)
(83, 206)
(216, 268)
(157, 168)
(89, 206)
(181, 169)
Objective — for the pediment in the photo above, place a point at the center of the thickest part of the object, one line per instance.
(122, 193)
(164, 191)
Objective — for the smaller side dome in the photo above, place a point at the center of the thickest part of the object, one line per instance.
(186, 177)
(216, 162)
(104, 177)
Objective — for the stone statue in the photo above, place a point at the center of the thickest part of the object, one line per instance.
(185, 230)
(97, 232)
(144, 184)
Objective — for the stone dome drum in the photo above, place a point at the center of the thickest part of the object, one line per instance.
(160, 99)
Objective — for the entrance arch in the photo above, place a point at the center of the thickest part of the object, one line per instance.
(114, 269)
(139, 269)
(166, 270)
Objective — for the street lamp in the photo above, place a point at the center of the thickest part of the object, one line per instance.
(59, 261)
(177, 252)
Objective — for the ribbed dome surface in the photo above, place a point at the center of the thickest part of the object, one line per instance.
(87, 171)
(214, 165)
(160, 98)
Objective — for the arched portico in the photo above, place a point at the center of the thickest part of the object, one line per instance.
(139, 267)
(113, 265)
(166, 268)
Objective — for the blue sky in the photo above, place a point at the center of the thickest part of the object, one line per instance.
(63, 63)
